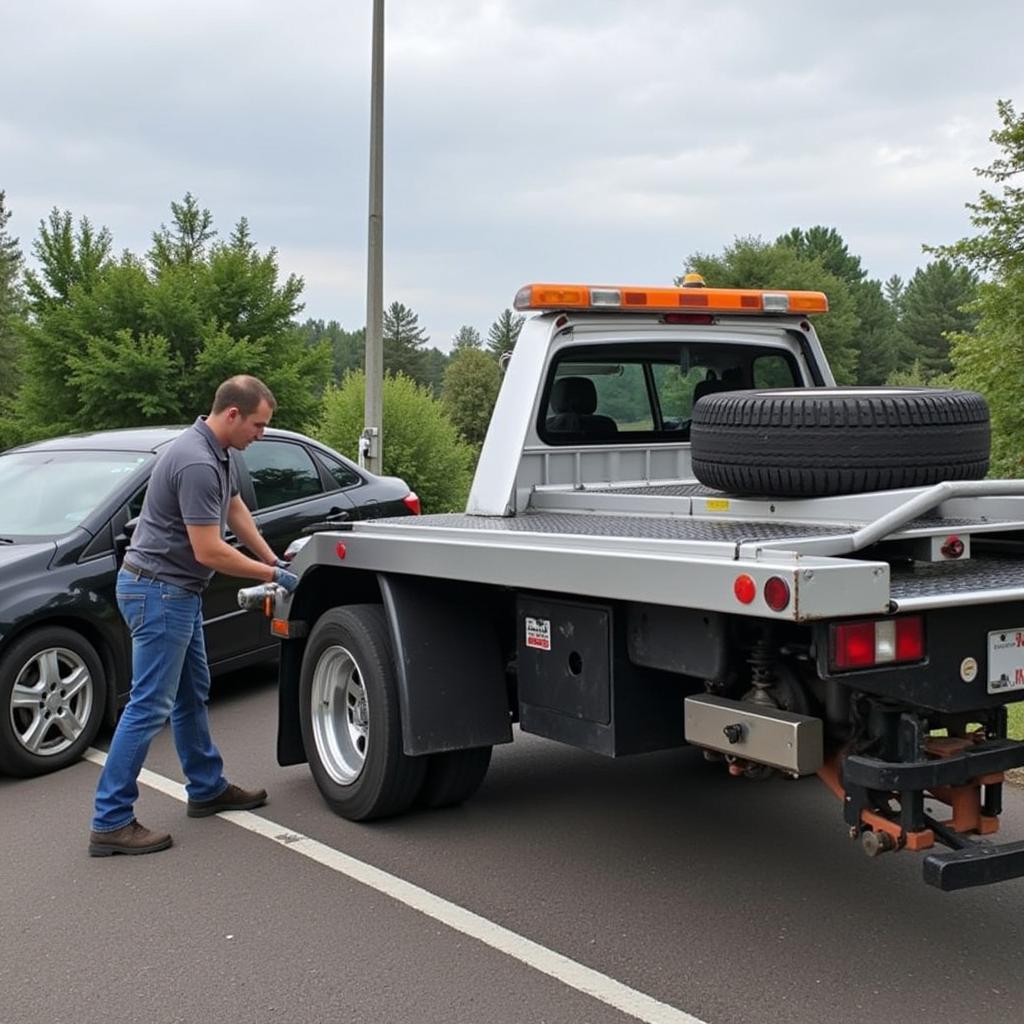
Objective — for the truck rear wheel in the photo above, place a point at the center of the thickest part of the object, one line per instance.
(816, 442)
(453, 777)
(350, 717)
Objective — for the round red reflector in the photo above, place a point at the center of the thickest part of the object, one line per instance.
(339, 549)
(745, 589)
(776, 593)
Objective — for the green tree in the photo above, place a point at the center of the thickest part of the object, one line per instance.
(185, 242)
(421, 444)
(894, 288)
(882, 351)
(348, 348)
(132, 341)
(990, 358)
(828, 247)
(504, 333)
(403, 343)
(11, 312)
(466, 337)
(68, 259)
(753, 263)
(435, 364)
(934, 306)
(998, 248)
(471, 385)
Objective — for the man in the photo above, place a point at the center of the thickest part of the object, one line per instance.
(176, 548)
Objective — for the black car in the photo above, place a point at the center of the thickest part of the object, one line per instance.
(67, 507)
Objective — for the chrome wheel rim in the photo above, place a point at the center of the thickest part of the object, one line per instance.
(340, 715)
(51, 702)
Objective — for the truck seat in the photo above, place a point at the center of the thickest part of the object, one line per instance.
(572, 405)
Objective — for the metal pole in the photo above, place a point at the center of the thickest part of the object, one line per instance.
(371, 448)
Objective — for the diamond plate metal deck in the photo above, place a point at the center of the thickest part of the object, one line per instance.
(951, 579)
(648, 527)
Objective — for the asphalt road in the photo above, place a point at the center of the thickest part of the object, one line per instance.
(734, 901)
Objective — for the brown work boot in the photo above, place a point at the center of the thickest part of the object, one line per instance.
(234, 798)
(132, 838)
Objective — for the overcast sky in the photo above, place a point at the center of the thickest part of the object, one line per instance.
(580, 140)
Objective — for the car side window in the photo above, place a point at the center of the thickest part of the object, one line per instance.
(135, 505)
(343, 476)
(281, 471)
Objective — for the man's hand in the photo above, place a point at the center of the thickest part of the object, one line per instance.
(285, 579)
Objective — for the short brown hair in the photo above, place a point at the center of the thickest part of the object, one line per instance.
(243, 392)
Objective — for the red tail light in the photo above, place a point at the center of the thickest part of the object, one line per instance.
(412, 502)
(874, 642)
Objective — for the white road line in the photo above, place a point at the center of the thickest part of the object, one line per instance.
(547, 961)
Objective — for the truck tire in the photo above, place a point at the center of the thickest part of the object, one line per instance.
(453, 777)
(52, 697)
(350, 717)
(824, 441)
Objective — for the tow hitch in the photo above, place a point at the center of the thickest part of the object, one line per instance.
(884, 805)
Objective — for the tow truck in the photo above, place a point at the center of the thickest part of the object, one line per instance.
(681, 531)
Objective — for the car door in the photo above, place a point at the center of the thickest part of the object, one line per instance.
(288, 492)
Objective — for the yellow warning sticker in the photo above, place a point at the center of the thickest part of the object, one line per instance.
(717, 504)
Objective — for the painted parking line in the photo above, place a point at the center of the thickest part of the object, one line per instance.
(570, 972)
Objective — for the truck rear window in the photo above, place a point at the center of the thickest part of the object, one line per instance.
(604, 394)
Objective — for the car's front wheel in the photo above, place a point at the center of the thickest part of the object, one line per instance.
(350, 717)
(52, 692)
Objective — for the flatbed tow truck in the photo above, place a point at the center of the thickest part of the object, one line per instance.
(680, 531)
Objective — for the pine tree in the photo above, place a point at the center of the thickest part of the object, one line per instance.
(827, 245)
(186, 242)
(403, 343)
(466, 337)
(934, 308)
(504, 333)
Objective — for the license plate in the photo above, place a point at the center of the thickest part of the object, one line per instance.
(1006, 660)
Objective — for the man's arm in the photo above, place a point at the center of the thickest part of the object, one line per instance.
(244, 528)
(215, 553)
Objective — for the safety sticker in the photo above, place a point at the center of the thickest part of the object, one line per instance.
(538, 633)
(717, 505)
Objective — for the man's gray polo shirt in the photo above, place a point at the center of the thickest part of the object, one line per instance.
(192, 484)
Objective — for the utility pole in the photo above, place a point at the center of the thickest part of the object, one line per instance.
(371, 443)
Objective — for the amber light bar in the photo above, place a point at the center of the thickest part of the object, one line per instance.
(625, 298)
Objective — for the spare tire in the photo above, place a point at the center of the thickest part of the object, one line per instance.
(814, 442)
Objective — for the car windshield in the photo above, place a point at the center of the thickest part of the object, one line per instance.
(47, 493)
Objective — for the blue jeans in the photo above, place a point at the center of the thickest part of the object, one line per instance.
(170, 678)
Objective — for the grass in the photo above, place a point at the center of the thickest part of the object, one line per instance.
(1016, 729)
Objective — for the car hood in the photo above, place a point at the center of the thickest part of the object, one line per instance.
(17, 556)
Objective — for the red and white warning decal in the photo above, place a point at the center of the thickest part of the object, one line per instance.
(538, 633)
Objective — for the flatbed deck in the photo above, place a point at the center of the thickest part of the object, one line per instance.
(624, 530)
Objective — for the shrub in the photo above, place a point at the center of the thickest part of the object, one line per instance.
(421, 444)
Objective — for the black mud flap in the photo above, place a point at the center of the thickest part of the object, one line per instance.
(977, 864)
